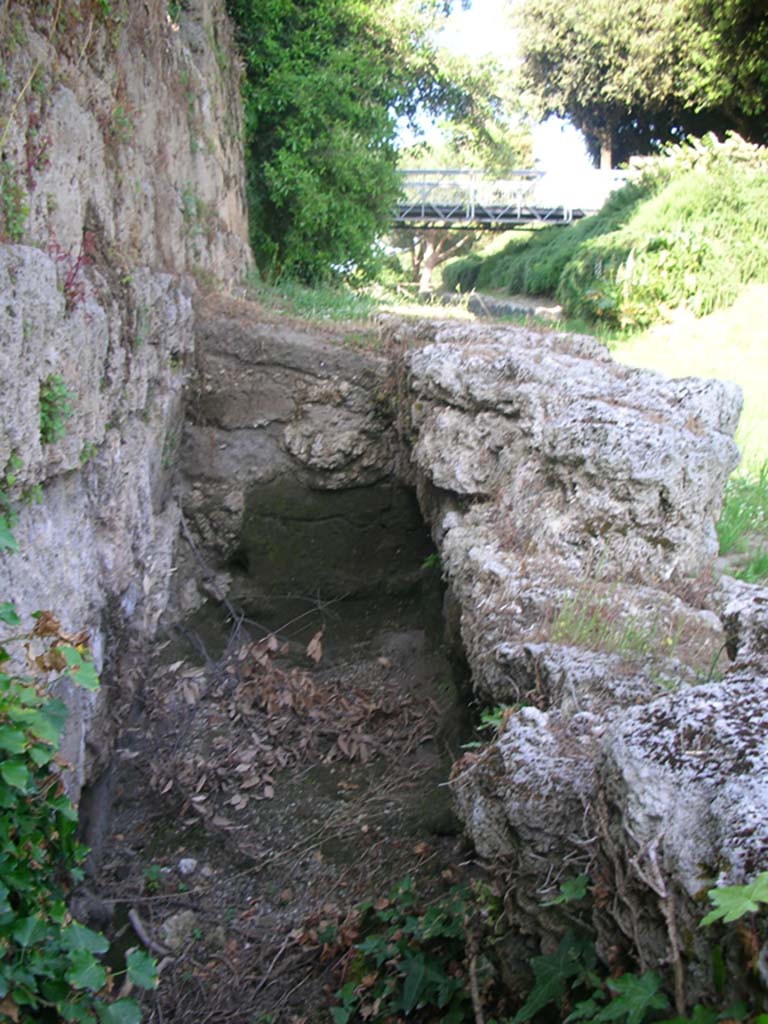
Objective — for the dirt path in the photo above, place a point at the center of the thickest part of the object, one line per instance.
(262, 797)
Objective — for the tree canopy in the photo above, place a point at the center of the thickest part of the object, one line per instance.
(325, 84)
(636, 73)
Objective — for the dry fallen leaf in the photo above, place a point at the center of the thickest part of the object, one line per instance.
(315, 646)
(46, 625)
(9, 1009)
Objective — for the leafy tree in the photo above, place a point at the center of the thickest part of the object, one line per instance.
(727, 64)
(325, 84)
(429, 247)
(635, 74)
(598, 62)
(495, 138)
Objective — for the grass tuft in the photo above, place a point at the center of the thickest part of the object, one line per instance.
(319, 302)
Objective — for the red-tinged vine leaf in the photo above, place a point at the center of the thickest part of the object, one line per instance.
(315, 646)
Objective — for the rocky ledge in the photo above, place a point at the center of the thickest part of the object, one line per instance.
(573, 502)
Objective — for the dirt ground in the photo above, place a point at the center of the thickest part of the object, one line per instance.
(259, 797)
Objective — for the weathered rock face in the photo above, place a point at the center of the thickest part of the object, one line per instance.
(122, 172)
(289, 466)
(573, 502)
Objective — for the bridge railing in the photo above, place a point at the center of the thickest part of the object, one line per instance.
(466, 196)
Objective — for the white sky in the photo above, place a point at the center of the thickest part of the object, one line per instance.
(485, 29)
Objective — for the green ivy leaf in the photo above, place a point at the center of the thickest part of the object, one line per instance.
(76, 1013)
(14, 741)
(7, 540)
(40, 755)
(551, 974)
(29, 930)
(15, 774)
(79, 668)
(413, 967)
(49, 721)
(8, 614)
(571, 891)
(734, 901)
(585, 1010)
(77, 937)
(634, 997)
(141, 969)
(124, 1011)
(84, 971)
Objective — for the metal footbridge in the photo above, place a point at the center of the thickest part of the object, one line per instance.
(470, 199)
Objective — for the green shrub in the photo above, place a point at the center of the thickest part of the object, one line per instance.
(691, 231)
(50, 967)
(55, 408)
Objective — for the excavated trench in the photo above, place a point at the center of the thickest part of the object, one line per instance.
(289, 758)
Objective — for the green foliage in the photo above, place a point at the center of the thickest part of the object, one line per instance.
(55, 408)
(152, 877)
(88, 452)
(13, 204)
(572, 890)
(691, 231)
(7, 509)
(569, 967)
(326, 81)
(319, 302)
(732, 902)
(570, 976)
(631, 90)
(534, 263)
(744, 519)
(50, 968)
(121, 126)
(411, 958)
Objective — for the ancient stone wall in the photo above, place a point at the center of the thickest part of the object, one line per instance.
(122, 190)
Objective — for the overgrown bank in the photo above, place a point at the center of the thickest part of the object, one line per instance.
(691, 229)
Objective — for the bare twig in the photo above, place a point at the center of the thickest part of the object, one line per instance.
(144, 937)
(477, 1006)
(271, 967)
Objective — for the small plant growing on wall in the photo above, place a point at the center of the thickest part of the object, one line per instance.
(73, 263)
(13, 204)
(55, 408)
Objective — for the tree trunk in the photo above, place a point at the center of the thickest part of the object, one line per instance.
(606, 153)
(427, 266)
